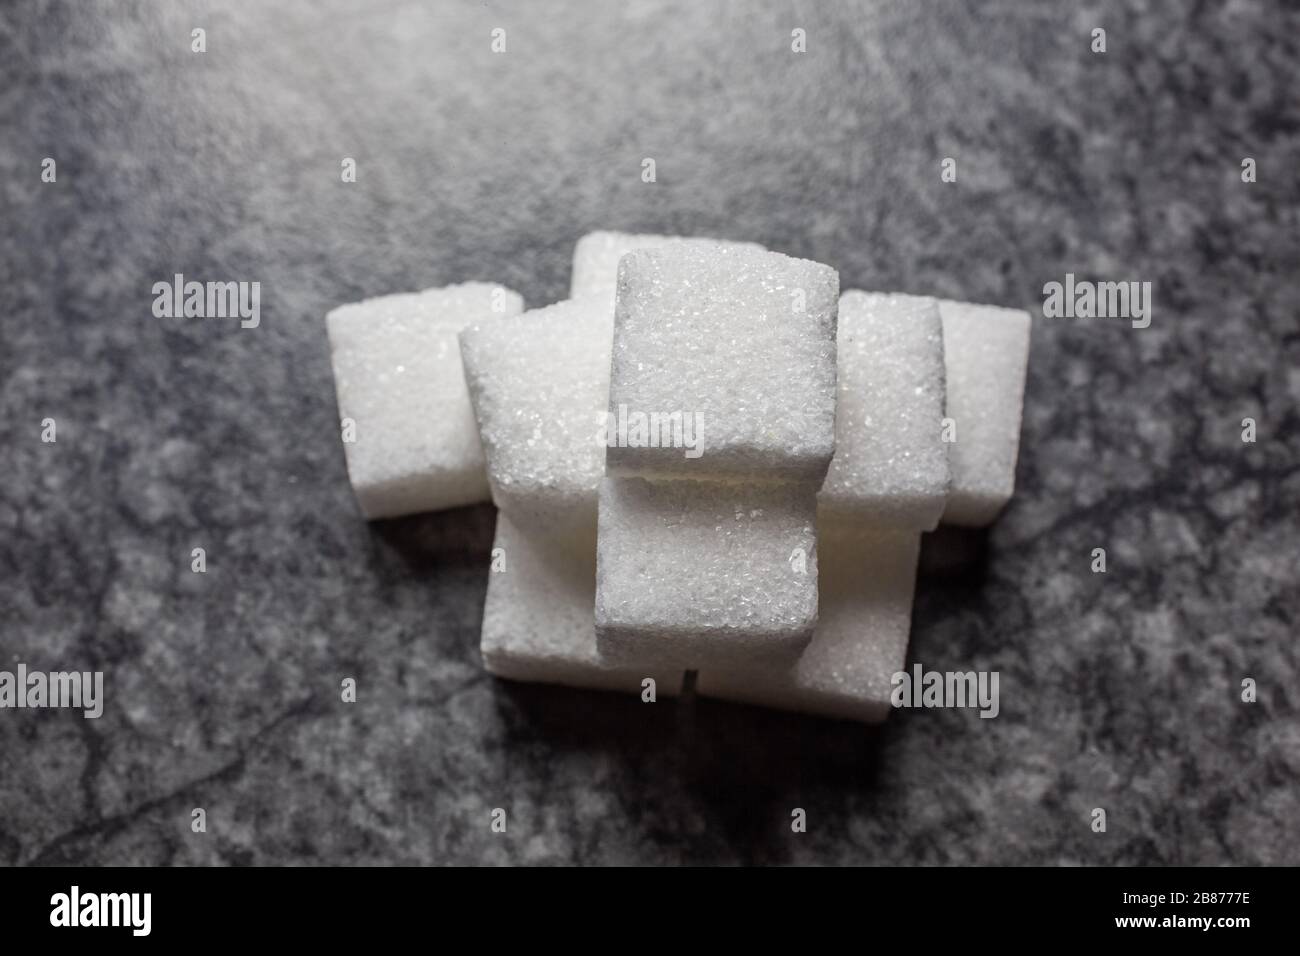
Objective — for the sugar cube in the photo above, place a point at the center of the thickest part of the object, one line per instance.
(986, 350)
(539, 383)
(891, 464)
(691, 573)
(867, 578)
(408, 429)
(723, 365)
(595, 259)
(537, 623)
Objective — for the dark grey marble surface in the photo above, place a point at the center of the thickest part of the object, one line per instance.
(1118, 690)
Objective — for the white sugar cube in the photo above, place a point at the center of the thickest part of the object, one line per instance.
(537, 623)
(986, 350)
(723, 365)
(891, 464)
(539, 383)
(691, 573)
(866, 582)
(408, 428)
(595, 259)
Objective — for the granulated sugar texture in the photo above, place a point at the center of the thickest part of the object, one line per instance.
(538, 383)
(407, 426)
(596, 257)
(891, 460)
(691, 572)
(741, 343)
(706, 459)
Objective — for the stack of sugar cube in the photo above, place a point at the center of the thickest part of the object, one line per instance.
(705, 459)
(707, 549)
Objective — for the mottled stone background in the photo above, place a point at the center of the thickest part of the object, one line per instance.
(1118, 690)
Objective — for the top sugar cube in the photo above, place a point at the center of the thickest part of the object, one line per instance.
(723, 365)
